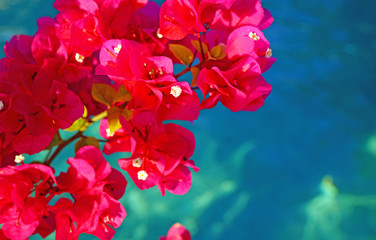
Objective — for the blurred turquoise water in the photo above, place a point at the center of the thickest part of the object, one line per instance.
(261, 172)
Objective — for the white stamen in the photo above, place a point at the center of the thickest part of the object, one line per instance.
(106, 219)
(246, 67)
(108, 133)
(19, 158)
(159, 35)
(254, 36)
(136, 162)
(117, 48)
(1, 105)
(79, 58)
(142, 175)
(175, 91)
(268, 53)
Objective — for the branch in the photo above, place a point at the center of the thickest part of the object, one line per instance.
(62, 146)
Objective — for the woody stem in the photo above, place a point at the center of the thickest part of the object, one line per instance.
(79, 134)
(62, 146)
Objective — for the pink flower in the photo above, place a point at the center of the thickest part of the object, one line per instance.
(92, 214)
(119, 141)
(95, 188)
(19, 49)
(240, 13)
(91, 174)
(22, 212)
(160, 155)
(249, 40)
(123, 61)
(177, 232)
(34, 107)
(178, 18)
(178, 181)
(240, 88)
(166, 98)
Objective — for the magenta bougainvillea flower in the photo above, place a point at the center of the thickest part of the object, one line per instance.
(177, 232)
(88, 173)
(179, 18)
(119, 141)
(240, 88)
(96, 187)
(160, 155)
(240, 13)
(92, 214)
(25, 192)
(250, 41)
(38, 105)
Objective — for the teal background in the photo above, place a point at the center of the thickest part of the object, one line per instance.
(262, 172)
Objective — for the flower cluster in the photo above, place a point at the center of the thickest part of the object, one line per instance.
(92, 190)
(115, 61)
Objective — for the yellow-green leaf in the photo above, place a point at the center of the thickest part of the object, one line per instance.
(127, 114)
(195, 71)
(196, 44)
(122, 95)
(113, 115)
(103, 93)
(182, 53)
(86, 141)
(78, 123)
(219, 51)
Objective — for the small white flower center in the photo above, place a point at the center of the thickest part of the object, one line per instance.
(246, 67)
(142, 175)
(19, 158)
(106, 219)
(175, 91)
(79, 58)
(117, 48)
(254, 36)
(159, 35)
(136, 162)
(108, 133)
(1, 105)
(268, 53)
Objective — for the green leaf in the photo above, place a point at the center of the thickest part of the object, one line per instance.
(122, 95)
(56, 140)
(196, 44)
(86, 141)
(78, 123)
(182, 53)
(219, 51)
(103, 93)
(127, 114)
(113, 115)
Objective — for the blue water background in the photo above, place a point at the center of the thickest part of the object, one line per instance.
(261, 171)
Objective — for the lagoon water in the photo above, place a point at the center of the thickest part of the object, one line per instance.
(303, 167)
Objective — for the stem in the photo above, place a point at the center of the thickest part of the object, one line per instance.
(62, 146)
(99, 116)
(183, 72)
(201, 48)
(47, 155)
(188, 69)
(79, 134)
